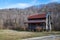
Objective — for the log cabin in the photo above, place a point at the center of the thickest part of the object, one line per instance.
(39, 22)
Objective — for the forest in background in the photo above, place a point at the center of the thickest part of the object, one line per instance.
(14, 18)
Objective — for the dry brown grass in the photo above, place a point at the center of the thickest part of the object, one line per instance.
(18, 35)
(13, 35)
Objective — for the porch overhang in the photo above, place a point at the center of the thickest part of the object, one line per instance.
(35, 21)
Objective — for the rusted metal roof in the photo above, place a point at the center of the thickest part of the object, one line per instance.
(37, 16)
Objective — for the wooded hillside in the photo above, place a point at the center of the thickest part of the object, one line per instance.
(14, 18)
